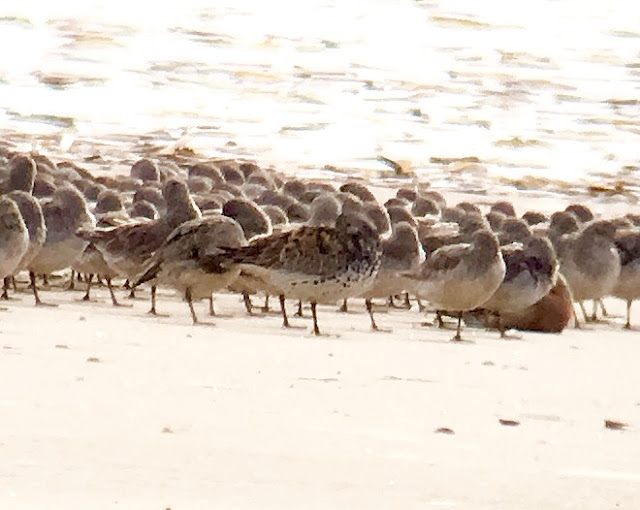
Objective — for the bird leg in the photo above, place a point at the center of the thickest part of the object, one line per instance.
(34, 286)
(72, 281)
(369, 305)
(458, 338)
(153, 301)
(189, 299)
(316, 330)
(5, 288)
(628, 324)
(604, 310)
(247, 303)
(575, 317)
(299, 312)
(283, 309)
(89, 279)
(114, 301)
(584, 311)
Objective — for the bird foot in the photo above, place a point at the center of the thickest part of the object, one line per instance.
(154, 313)
(50, 305)
(122, 305)
(204, 323)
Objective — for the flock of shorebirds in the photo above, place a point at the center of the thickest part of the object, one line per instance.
(231, 225)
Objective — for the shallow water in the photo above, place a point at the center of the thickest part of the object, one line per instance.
(531, 94)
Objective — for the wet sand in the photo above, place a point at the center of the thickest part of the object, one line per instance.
(110, 408)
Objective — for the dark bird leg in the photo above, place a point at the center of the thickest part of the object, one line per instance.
(132, 291)
(153, 300)
(265, 308)
(594, 315)
(628, 324)
(89, 279)
(114, 301)
(189, 299)
(407, 301)
(283, 309)
(316, 330)
(247, 303)
(344, 308)
(212, 310)
(458, 338)
(5, 288)
(369, 306)
(439, 319)
(501, 327)
(34, 286)
(299, 312)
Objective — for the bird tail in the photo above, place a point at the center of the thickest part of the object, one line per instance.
(216, 263)
(92, 234)
(149, 274)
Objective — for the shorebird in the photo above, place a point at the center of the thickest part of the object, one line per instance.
(401, 253)
(178, 263)
(423, 206)
(534, 218)
(143, 209)
(31, 212)
(460, 277)
(64, 215)
(22, 174)
(127, 248)
(581, 212)
(628, 285)
(324, 210)
(590, 262)
(531, 272)
(254, 222)
(276, 215)
(505, 208)
(91, 263)
(551, 314)
(14, 237)
(145, 170)
(315, 264)
(513, 230)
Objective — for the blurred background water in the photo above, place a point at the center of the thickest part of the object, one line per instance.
(521, 93)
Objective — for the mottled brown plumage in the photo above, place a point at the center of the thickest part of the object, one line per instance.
(316, 264)
(177, 263)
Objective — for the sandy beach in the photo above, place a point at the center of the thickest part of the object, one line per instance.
(110, 408)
